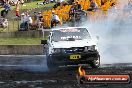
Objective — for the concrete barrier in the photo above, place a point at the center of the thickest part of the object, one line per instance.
(21, 49)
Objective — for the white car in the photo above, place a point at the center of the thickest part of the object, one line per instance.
(71, 46)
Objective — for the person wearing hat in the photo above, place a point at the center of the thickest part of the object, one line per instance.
(55, 19)
(26, 20)
(23, 22)
(22, 18)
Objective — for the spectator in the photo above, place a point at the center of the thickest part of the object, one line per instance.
(56, 5)
(5, 23)
(77, 6)
(6, 9)
(55, 19)
(39, 16)
(40, 19)
(35, 18)
(26, 21)
(42, 3)
(17, 9)
(70, 2)
(22, 18)
(23, 23)
(78, 11)
(71, 12)
(93, 5)
(30, 21)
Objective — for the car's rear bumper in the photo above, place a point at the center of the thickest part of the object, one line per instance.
(64, 59)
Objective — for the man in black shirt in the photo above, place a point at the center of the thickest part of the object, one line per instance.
(77, 6)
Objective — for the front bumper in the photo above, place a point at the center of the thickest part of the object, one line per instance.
(64, 59)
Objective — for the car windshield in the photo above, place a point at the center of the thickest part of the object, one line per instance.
(74, 33)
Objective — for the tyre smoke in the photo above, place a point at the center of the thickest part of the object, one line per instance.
(114, 31)
(31, 63)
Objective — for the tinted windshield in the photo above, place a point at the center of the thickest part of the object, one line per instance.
(65, 34)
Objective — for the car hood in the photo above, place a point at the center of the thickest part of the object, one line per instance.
(76, 43)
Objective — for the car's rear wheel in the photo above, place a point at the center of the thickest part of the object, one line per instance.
(95, 63)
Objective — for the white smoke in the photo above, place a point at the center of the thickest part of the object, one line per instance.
(31, 63)
(114, 35)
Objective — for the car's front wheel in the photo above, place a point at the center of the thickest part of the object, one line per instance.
(95, 63)
(51, 65)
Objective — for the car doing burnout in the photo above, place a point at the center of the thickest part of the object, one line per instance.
(71, 46)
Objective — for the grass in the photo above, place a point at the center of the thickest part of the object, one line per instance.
(21, 41)
(31, 5)
(34, 5)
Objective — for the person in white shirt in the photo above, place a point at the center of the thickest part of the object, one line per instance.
(26, 20)
(30, 21)
(5, 23)
(22, 18)
(55, 19)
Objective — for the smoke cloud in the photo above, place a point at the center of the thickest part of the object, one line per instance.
(31, 63)
(114, 31)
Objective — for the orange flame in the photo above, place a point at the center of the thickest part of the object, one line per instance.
(81, 71)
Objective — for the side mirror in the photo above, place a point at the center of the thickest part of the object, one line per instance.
(44, 42)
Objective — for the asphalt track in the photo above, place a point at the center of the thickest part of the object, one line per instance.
(32, 72)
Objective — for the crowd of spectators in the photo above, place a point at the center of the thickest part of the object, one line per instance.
(75, 10)
(6, 5)
(36, 19)
(28, 21)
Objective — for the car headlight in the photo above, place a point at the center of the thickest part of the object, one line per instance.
(56, 50)
(91, 48)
